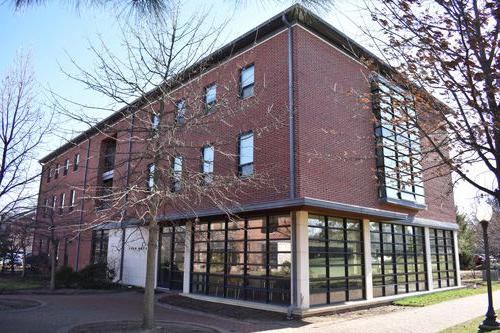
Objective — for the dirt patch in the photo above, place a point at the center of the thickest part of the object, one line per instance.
(355, 314)
(135, 327)
(12, 304)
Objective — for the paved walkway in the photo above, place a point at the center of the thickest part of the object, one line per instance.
(433, 318)
(61, 312)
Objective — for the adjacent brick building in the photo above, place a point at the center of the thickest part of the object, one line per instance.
(329, 226)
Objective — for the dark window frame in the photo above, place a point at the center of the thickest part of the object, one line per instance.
(180, 117)
(207, 175)
(66, 167)
(209, 106)
(176, 180)
(76, 162)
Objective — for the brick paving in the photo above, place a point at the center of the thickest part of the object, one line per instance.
(61, 312)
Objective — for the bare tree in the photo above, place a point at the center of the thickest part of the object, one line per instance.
(449, 49)
(165, 121)
(22, 130)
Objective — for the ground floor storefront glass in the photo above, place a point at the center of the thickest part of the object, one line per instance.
(171, 257)
(247, 259)
(398, 259)
(335, 260)
(443, 258)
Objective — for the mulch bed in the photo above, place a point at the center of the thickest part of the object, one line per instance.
(225, 310)
(135, 327)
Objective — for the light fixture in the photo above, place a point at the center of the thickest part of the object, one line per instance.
(484, 212)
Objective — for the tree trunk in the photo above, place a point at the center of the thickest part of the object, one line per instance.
(53, 254)
(149, 291)
(23, 272)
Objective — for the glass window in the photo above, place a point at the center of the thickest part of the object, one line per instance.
(247, 81)
(243, 259)
(180, 112)
(72, 200)
(76, 162)
(398, 145)
(176, 174)
(335, 260)
(61, 203)
(155, 121)
(246, 148)
(397, 267)
(99, 252)
(151, 177)
(208, 164)
(210, 96)
(442, 258)
(56, 172)
(66, 167)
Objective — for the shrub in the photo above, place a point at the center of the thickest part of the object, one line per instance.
(66, 278)
(39, 264)
(95, 276)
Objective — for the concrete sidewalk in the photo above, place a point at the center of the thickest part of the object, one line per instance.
(433, 318)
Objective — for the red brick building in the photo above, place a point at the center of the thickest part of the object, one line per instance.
(331, 224)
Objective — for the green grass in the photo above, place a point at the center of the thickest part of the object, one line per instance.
(467, 327)
(442, 296)
(10, 284)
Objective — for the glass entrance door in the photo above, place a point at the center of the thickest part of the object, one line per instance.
(171, 257)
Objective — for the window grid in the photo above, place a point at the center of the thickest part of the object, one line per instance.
(334, 282)
(231, 259)
(443, 258)
(398, 259)
(171, 258)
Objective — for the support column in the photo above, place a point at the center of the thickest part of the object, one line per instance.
(187, 258)
(428, 261)
(302, 260)
(367, 250)
(457, 259)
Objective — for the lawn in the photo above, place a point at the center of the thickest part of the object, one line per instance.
(18, 283)
(467, 327)
(438, 297)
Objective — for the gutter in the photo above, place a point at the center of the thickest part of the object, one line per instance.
(83, 204)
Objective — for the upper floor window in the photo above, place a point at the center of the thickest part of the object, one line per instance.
(151, 177)
(56, 172)
(109, 151)
(398, 145)
(177, 174)
(210, 96)
(247, 81)
(46, 207)
(72, 199)
(66, 167)
(180, 111)
(61, 203)
(245, 165)
(155, 121)
(54, 203)
(49, 174)
(76, 162)
(208, 164)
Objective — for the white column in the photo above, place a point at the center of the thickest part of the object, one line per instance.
(187, 258)
(302, 258)
(457, 260)
(428, 261)
(368, 259)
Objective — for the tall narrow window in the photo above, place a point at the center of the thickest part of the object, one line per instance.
(208, 164)
(177, 174)
(210, 96)
(398, 146)
(151, 177)
(245, 167)
(247, 81)
(155, 121)
(49, 174)
(66, 167)
(72, 200)
(61, 203)
(54, 202)
(56, 172)
(180, 112)
(109, 151)
(76, 162)
(46, 207)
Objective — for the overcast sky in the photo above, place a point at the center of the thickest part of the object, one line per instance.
(53, 33)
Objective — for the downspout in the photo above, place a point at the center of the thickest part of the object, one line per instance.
(83, 204)
(291, 154)
(122, 252)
